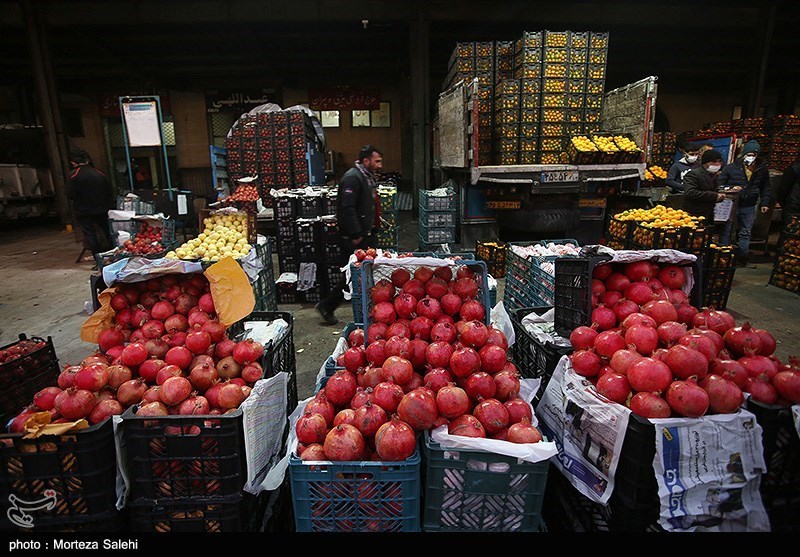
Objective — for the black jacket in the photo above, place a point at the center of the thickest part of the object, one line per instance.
(90, 191)
(355, 205)
(676, 173)
(789, 189)
(733, 174)
(700, 194)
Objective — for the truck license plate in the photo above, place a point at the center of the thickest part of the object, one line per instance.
(503, 204)
(559, 176)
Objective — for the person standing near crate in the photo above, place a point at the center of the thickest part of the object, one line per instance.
(689, 161)
(788, 192)
(700, 187)
(750, 174)
(357, 218)
(92, 196)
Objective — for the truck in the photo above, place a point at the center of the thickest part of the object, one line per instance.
(536, 201)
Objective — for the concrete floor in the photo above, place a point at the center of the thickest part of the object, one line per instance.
(43, 292)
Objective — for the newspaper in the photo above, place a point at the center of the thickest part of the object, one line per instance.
(709, 472)
(264, 421)
(588, 430)
(543, 328)
(307, 276)
(796, 416)
(723, 210)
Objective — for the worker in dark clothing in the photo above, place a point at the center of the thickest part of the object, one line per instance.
(689, 161)
(788, 192)
(92, 197)
(357, 217)
(701, 187)
(750, 174)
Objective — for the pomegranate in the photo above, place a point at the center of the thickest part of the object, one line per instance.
(105, 409)
(444, 332)
(134, 354)
(376, 331)
(194, 406)
(518, 409)
(492, 414)
(585, 362)
(344, 416)
(418, 409)
(466, 425)
(151, 395)
(475, 334)
(638, 319)
(451, 304)
(493, 358)
(415, 287)
(639, 270)
(686, 362)
(369, 418)
(131, 392)
(762, 390)
(639, 293)
(198, 318)
(46, 398)
(344, 443)
(642, 338)
(506, 385)
(360, 398)
(452, 401)
(74, 404)
(582, 338)
(614, 386)
(311, 428)
(742, 341)
(670, 332)
(175, 390)
(649, 375)
(108, 338)
(497, 338)
(179, 356)
(610, 298)
(724, 396)
(687, 398)
(248, 351)
(686, 313)
(758, 366)
(609, 342)
(624, 308)
(397, 370)
(387, 395)
(464, 361)
(787, 383)
(156, 347)
(603, 318)
(429, 307)
(230, 396)
(768, 343)
(92, 378)
(405, 305)
(149, 369)
(400, 276)
(382, 291)
(523, 432)
(322, 406)
(717, 321)
(398, 346)
(340, 388)
(622, 360)
(472, 310)
(420, 328)
(730, 369)
(479, 386)
(395, 440)
(701, 343)
(372, 376)
(661, 311)
(355, 358)
(650, 405)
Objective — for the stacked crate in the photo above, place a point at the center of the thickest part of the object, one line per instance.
(786, 269)
(278, 148)
(387, 232)
(437, 219)
(507, 117)
(785, 134)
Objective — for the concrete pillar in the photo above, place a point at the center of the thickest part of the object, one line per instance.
(50, 114)
(420, 106)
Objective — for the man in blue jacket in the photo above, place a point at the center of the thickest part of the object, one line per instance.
(750, 174)
(689, 161)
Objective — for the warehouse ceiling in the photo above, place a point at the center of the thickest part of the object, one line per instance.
(216, 43)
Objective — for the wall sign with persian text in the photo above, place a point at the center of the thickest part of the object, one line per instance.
(344, 98)
(238, 101)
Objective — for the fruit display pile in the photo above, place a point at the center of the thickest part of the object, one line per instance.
(224, 235)
(786, 269)
(655, 172)
(244, 192)
(651, 350)
(167, 352)
(426, 359)
(147, 241)
(660, 217)
(20, 349)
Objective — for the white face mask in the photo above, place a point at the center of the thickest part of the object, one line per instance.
(714, 168)
(691, 158)
(749, 159)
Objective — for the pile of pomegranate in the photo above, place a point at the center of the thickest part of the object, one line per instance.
(19, 349)
(167, 352)
(146, 242)
(651, 350)
(426, 360)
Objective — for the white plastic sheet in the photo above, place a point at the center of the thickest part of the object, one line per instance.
(136, 269)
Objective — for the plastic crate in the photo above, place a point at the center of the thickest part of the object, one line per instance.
(264, 292)
(312, 295)
(23, 377)
(468, 490)
(533, 357)
(430, 202)
(286, 292)
(329, 231)
(80, 468)
(573, 297)
(685, 239)
(278, 355)
(306, 231)
(361, 496)
(371, 274)
(431, 235)
(285, 206)
(718, 272)
(620, 231)
(288, 263)
(309, 206)
(780, 486)
(437, 219)
(494, 255)
(121, 225)
(235, 513)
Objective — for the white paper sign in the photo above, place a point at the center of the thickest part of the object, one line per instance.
(264, 415)
(722, 210)
(141, 124)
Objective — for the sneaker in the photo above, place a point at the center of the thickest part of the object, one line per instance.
(327, 316)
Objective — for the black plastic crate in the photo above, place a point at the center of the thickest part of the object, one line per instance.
(287, 247)
(312, 295)
(286, 228)
(278, 356)
(573, 296)
(307, 231)
(469, 490)
(288, 264)
(329, 203)
(308, 252)
(332, 252)
(286, 292)
(80, 468)
(23, 377)
(329, 231)
(717, 284)
(533, 357)
(235, 513)
(184, 456)
(494, 255)
(309, 206)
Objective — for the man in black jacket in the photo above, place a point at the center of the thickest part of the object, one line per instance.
(92, 197)
(689, 161)
(357, 217)
(750, 174)
(788, 192)
(700, 192)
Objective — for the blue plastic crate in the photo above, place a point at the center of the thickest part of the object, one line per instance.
(359, 496)
(433, 235)
(439, 219)
(430, 202)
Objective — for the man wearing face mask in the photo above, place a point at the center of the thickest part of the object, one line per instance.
(750, 175)
(700, 187)
(682, 166)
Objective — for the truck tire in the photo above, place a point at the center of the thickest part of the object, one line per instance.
(540, 221)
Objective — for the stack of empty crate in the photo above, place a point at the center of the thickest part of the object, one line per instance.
(387, 233)
(437, 218)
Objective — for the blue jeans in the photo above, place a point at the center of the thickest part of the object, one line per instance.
(745, 217)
